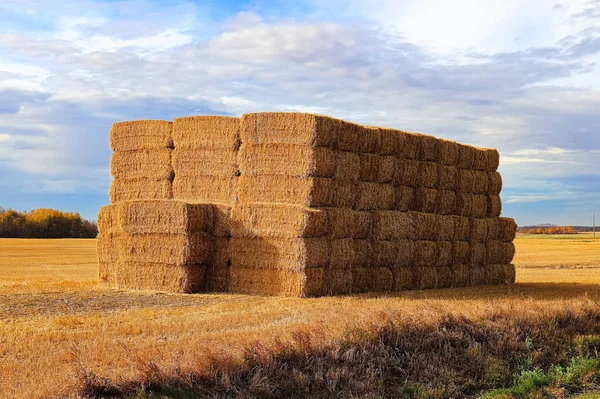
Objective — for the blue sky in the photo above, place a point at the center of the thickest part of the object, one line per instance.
(521, 76)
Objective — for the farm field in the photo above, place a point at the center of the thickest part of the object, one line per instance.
(55, 321)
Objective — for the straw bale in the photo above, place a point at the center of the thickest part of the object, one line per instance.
(495, 274)
(155, 163)
(387, 169)
(478, 275)
(445, 227)
(426, 253)
(478, 230)
(425, 226)
(375, 196)
(428, 174)
(140, 189)
(393, 225)
(494, 206)
(495, 183)
(164, 217)
(161, 277)
(291, 128)
(445, 202)
(108, 247)
(466, 156)
(500, 252)
(221, 226)
(425, 200)
(369, 167)
(108, 219)
(407, 173)
(370, 140)
(347, 166)
(465, 181)
(286, 159)
(493, 160)
(461, 252)
(461, 275)
(294, 254)
(486, 159)
(205, 162)
(391, 141)
(217, 272)
(338, 281)
(277, 220)
(140, 135)
(449, 151)
(464, 204)
(345, 193)
(445, 254)
(447, 177)
(348, 138)
(195, 132)
(175, 249)
(480, 206)
(409, 145)
(509, 274)
(403, 279)
(372, 279)
(107, 273)
(404, 198)
(312, 192)
(398, 253)
(462, 228)
(205, 189)
(277, 282)
(426, 277)
(348, 223)
(480, 182)
(429, 148)
(444, 277)
(348, 253)
(478, 254)
(502, 229)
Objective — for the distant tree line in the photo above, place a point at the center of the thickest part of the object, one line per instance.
(45, 223)
(549, 230)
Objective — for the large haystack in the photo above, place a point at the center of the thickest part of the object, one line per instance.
(299, 205)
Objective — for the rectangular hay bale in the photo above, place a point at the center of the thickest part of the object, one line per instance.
(166, 277)
(403, 279)
(348, 223)
(375, 196)
(404, 199)
(205, 162)
(499, 252)
(141, 135)
(277, 282)
(311, 192)
(502, 229)
(174, 249)
(146, 163)
(393, 225)
(198, 188)
(140, 189)
(196, 132)
(372, 279)
(291, 128)
(399, 253)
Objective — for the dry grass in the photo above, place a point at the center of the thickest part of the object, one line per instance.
(53, 316)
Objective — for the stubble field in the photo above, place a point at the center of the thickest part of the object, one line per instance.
(57, 324)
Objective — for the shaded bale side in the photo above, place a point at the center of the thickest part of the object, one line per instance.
(205, 162)
(426, 253)
(221, 220)
(387, 169)
(403, 279)
(444, 277)
(292, 254)
(345, 193)
(164, 217)
(210, 189)
(480, 182)
(428, 173)
(311, 192)
(375, 196)
(449, 152)
(199, 132)
(478, 276)
(460, 275)
(486, 159)
(465, 181)
(478, 230)
(218, 269)
(291, 128)
(466, 156)
(347, 166)
(277, 220)
(140, 189)
(398, 253)
(502, 229)
(348, 138)
(369, 167)
(409, 146)
(391, 141)
(462, 228)
(480, 206)
(478, 254)
(174, 249)
(447, 177)
(348, 223)
(287, 159)
(370, 140)
(428, 148)
(445, 254)
(277, 282)
(494, 206)
(500, 252)
(445, 227)
(500, 274)
(348, 253)
(107, 245)
(141, 135)
(372, 279)
(509, 274)
(108, 219)
(338, 281)
(461, 252)
(426, 277)
(425, 226)
(404, 198)
(393, 225)
(425, 200)
(166, 277)
(154, 164)
(495, 183)
(407, 173)
(445, 201)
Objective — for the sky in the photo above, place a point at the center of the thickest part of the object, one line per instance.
(522, 76)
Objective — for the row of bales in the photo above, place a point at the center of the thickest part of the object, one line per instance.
(300, 205)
